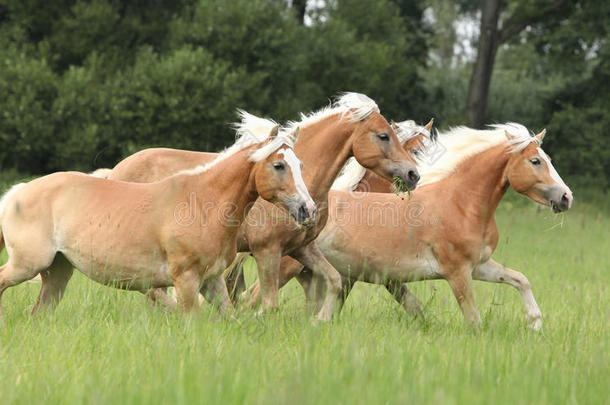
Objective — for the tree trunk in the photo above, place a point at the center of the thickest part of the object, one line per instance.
(483, 67)
(300, 7)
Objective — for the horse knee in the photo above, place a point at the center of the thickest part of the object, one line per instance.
(334, 282)
(522, 283)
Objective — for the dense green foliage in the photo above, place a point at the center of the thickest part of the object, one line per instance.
(105, 346)
(84, 83)
(99, 80)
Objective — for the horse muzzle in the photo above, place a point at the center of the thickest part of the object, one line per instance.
(303, 211)
(560, 198)
(409, 178)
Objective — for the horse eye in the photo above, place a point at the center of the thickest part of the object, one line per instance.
(414, 152)
(535, 161)
(383, 137)
(278, 166)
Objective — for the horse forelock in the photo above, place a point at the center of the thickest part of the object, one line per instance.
(409, 129)
(284, 138)
(460, 143)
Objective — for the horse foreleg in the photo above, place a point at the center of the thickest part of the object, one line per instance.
(460, 280)
(401, 293)
(311, 257)
(494, 272)
(289, 268)
(187, 285)
(268, 265)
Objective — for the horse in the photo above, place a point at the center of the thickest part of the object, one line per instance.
(446, 230)
(181, 231)
(415, 140)
(351, 126)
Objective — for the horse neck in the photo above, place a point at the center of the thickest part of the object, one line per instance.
(478, 184)
(324, 147)
(230, 181)
(373, 183)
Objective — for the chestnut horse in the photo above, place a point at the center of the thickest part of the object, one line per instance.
(352, 126)
(447, 228)
(181, 231)
(415, 139)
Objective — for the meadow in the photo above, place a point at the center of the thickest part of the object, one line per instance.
(104, 345)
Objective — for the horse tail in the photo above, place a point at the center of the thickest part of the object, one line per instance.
(234, 276)
(3, 203)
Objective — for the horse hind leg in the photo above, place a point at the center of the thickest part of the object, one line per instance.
(161, 297)
(314, 287)
(54, 282)
(405, 297)
(215, 292)
(12, 274)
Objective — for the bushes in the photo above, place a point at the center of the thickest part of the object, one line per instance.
(86, 83)
(28, 87)
(184, 99)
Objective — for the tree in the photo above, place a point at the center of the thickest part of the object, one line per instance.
(300, 7)
(492, 35)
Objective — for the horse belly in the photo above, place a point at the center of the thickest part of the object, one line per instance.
(123, 272)
(371, 266)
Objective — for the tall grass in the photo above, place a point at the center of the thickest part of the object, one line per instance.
(106, 346)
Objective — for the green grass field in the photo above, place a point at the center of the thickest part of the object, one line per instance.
(106, 346)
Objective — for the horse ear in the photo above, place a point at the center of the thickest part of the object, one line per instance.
(394, 125)
(509, 136)
(428, 126)
(540, 136)
(295, 134)
(274, 132)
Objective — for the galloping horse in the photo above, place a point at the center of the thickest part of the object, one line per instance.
(180, 231)
(352, 126)
(447, 228)
(414, 139)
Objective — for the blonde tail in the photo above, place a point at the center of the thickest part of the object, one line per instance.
(3, 202)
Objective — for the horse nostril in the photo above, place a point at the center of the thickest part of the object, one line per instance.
(303, 213)
(413, 176)
(564, 198)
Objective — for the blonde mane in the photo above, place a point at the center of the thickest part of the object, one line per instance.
(249, 131)
(352, 172)
(462, 142)
(352, 106)
(356, 105)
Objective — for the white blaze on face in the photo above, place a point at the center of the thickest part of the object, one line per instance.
(295, 167)
(554, 175)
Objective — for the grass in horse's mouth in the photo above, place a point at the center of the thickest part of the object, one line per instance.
(400, 186)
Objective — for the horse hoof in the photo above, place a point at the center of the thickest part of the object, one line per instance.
(535, 324)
